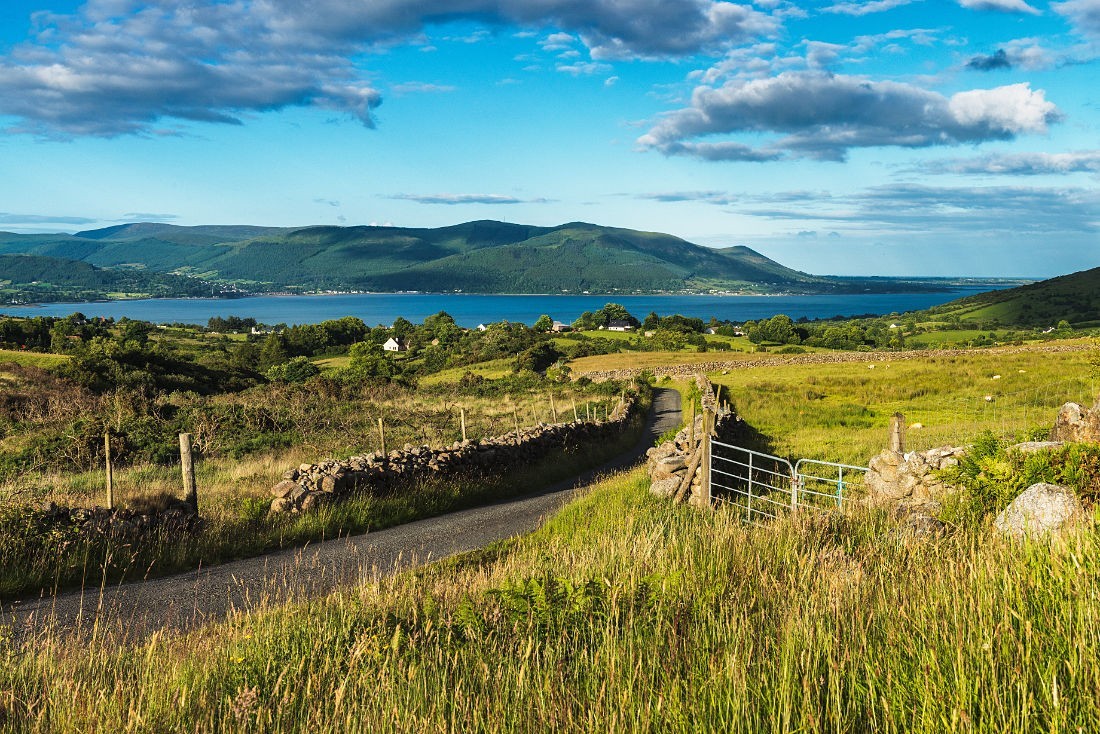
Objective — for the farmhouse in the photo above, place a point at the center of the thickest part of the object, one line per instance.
(559, 327)
(619, 326)
(394, 345)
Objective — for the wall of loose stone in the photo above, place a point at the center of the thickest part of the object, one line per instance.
(675, 467)
(311, 485)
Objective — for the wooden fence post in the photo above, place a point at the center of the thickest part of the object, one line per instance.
(897, 433)
(515, 417)
(187, 464)
(382, 436)
(588, 410)
(691, 427)
(553, 408)
(462, 414)
(110, 470)
(576, 417)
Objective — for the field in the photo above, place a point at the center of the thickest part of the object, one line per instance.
(32, 359)
(625, 613)
(839, 412)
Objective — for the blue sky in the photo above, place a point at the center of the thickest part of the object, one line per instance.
(880, 137)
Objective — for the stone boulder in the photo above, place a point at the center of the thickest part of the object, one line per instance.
(1041, 509)
(894, 477)
(1077, 424)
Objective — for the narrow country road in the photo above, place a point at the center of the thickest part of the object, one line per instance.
(193, 598)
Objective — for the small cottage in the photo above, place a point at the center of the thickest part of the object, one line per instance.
(394, 345)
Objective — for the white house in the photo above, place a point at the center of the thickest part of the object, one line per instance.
(394, 345)
(619, 326)
(482, 327)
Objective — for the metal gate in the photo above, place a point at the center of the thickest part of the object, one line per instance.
(763, 485)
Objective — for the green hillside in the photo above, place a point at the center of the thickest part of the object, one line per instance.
(475, 257)
(26, 278)
(1074, 298)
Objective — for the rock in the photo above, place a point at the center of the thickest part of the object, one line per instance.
(283, 488)
(1041, 509)
(1034, 447)
(305, 468)
(329, 484)
(280, 504)
(664, 487)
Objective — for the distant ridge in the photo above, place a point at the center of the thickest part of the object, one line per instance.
(482, 256)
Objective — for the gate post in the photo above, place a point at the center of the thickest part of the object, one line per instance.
(706, 495)
(897, 433)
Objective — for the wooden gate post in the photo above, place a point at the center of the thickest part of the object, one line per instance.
(462, 415)
(553, 408)
(382, 436)
(515, 417)
(110, 470)
(576, 418)
(187, 464)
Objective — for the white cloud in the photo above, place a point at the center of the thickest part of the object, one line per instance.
(1019, 164)
(865, 8)
(1002, 6)
(118, 67)
(453, 199)
(824, 115)
(1085, 15)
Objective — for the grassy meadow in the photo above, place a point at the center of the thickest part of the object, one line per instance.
(625, 613)
(840, 412)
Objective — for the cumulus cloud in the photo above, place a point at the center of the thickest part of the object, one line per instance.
(1001, 6)
(823, 116)
(1019, 164)
(120, 66)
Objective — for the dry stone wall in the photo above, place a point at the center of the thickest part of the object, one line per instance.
(311, 485)
(676, 466)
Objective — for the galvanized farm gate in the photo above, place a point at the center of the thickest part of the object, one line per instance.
(763, 485)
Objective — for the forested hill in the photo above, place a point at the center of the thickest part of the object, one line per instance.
(476, 257)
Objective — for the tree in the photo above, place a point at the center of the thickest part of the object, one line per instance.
(538, 357)
(543, 324)
(298, 369)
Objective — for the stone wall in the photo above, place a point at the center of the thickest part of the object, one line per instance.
(675, 467)
(310, 485)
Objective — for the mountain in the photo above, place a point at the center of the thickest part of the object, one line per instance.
(476, 257)
(1074, 298)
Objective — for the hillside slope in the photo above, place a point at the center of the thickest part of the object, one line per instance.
(1074, 298)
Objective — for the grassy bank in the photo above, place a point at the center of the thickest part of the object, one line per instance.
(625, 613)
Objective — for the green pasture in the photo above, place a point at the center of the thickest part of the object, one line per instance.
(840, 412)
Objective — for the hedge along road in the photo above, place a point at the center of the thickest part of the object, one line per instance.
(190, 599)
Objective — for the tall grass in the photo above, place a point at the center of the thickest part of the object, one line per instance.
(625, 613)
